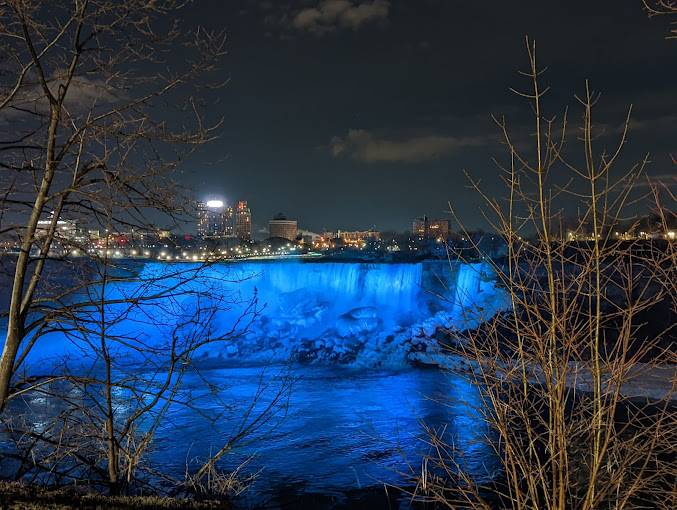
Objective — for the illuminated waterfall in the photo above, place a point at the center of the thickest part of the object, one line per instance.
(312, 311)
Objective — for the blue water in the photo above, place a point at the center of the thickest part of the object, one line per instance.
(344, 428)
(341, 431)
(345, 335)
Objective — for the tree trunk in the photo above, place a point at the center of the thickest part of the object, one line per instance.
(15, 325)
(9, 352)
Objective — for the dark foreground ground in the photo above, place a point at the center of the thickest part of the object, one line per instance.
(15, 496)
(30, 497)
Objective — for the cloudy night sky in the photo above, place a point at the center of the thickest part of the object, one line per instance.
(356, 114)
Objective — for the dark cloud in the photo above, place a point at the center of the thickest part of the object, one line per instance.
(668, 181)
(331, 15)
(365, 146)
(83, 94)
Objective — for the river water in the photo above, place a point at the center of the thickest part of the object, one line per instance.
(343, 430)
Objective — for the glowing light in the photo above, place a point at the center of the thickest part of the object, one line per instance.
(215, 204)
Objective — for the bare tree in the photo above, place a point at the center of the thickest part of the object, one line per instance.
(663, 9)
(591, 319)
(94, 122)
(134, 354)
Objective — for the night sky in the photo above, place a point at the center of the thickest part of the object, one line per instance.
(357, 114)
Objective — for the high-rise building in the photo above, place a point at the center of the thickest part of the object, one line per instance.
(243, 221)
(280, 226)
(214, 219)
(229, 221)
(430, 229)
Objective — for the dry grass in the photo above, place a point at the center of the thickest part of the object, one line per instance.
(15, 496)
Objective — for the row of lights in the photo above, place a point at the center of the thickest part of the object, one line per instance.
(164, 255)
(235, 252)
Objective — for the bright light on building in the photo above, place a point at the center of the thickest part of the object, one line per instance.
(215, 204)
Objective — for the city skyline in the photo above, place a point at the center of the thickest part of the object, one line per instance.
(261, 225)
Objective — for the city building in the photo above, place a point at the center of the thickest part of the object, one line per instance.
(229, 222)
(214, 219)
(280, 226)
(358, 237)
(309, 237)
(243, 221)
(351, 238)
(65, 230)
(419, 227)
(426, 228)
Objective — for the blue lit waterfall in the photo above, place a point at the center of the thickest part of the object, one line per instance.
(362, 314)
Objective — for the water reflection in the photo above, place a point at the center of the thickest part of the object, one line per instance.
(344, 430)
